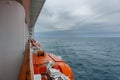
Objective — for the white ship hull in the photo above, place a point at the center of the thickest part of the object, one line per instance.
(13, 38)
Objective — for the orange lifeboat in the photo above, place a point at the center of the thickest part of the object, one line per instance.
(41, 59)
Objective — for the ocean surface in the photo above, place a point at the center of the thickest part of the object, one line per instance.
(90, 58)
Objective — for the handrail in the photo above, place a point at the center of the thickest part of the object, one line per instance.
(27, 72)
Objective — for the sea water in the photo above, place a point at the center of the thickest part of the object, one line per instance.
(90, 58)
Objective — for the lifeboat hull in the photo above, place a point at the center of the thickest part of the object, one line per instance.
(39, 64)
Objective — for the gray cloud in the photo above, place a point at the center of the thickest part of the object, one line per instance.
(80, 16)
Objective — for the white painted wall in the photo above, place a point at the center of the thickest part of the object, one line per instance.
(13, 38)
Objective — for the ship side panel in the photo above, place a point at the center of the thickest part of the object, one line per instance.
(13, 38)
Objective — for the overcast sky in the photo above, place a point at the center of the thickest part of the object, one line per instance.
(95, 17)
